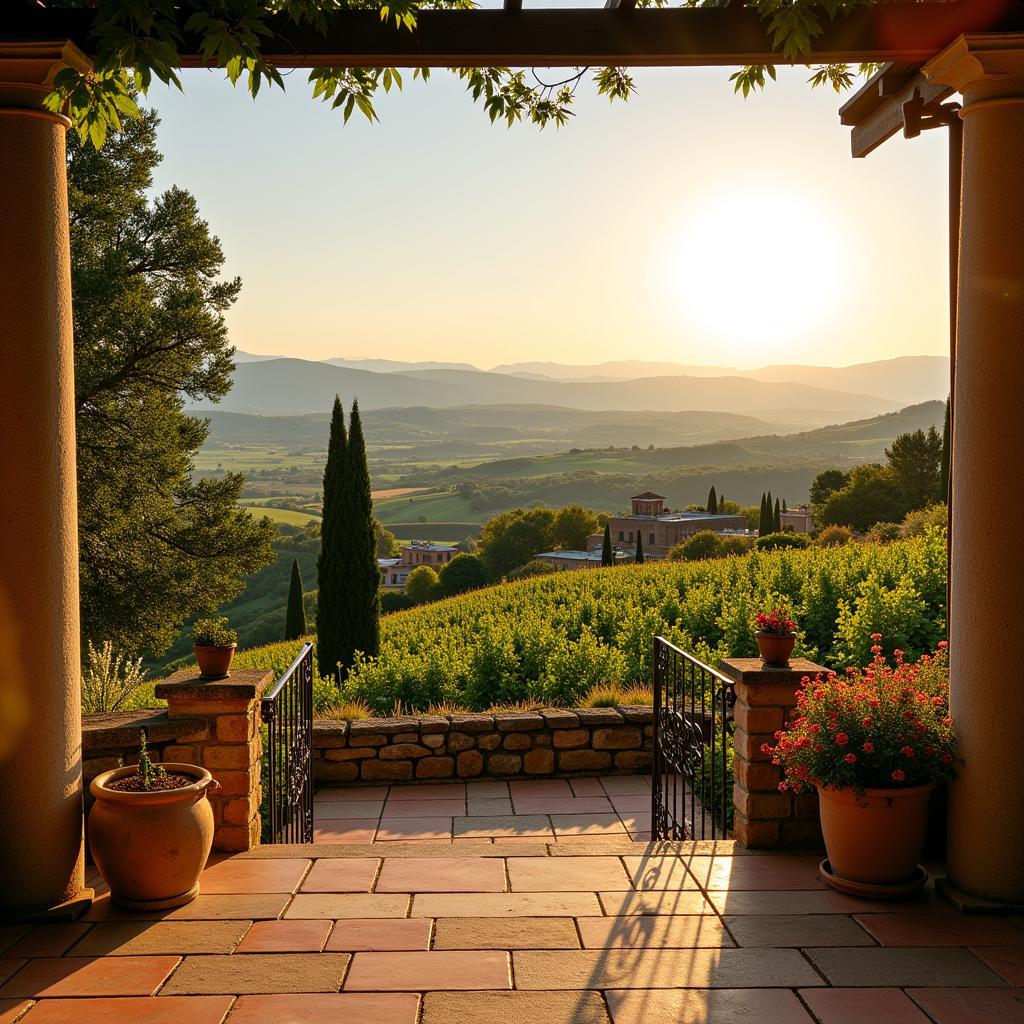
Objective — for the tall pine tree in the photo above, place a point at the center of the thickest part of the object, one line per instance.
(330, 568)
(777, 518)
(607, 555)
(361, 612)
(639, 557)
(712, 502)
(295, 613)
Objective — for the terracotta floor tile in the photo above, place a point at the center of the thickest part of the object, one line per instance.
(472, 874)
(971, 1006)
(632, 803)
(415, 828)
(620, 785)
(776, 872)
(488, 806)
(87, 976)
(398, 809)
(514, 1008)
(487, 790)
(562, 805)
(587, 787)
(345, 874)
(506, 933)
(1007, 961)
(10, 933)
(361, 936)
(743, 1006)
(662, 968)
(679, 932)
(513, 904)
(567, 874)
(348, 810)
(434, 971)
(258, 973)
(654, 901)
(635, 821)
(858, 1005)
(332, 906)
(763, 902)
(341, 830)
(252, 876)
(342, 794)
(797, 930)
(637, 837)
(503, 825)
(315, 1008)
(587, 824)
(940, 930)
(541, 788)
(901, 968)
(407, 841)
(138, 1010)
(297, 936)
(8, 968)
(48, 940)
(13, 1009)
(659, 873)
(202, 908)
(429, 791)
(133, 938)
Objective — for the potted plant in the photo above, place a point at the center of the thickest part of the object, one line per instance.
(873, 743)
(214, 646)
(776, 637)
(150, 831)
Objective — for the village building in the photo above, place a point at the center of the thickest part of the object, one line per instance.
(799, 520)
(579, 559)
(395, 571)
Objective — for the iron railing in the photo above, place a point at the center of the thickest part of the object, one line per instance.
(691, 770)
(287, 714)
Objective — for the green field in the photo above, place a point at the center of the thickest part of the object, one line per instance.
(438, 508)
(282, 515)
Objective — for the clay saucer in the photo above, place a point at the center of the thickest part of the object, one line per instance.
(873, 891)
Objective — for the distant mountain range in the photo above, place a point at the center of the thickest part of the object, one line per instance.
(297, 386)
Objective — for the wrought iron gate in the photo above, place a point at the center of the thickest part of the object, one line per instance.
(691, 771)
(287, 714)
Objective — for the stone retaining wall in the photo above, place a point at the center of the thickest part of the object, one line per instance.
(497, 746)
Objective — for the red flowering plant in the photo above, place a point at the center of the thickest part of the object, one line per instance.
(886, 726)
(775, 621)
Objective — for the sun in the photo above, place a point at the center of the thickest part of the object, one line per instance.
(757, 269)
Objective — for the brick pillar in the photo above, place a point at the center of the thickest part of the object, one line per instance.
(764, 818)
(231, 750)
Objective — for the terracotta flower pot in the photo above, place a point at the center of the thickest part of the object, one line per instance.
(214, 660)
(775, 648)
(875, 838)
(151, 847)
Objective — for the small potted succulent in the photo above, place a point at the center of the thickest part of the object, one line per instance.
(214, 646)
(873, 743)
(150, 831)
(776, 637)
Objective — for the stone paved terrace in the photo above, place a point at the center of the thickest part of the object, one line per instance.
(558, 928)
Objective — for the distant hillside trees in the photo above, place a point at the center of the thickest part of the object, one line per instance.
(157, 546)
(514, 538)
(348, 609)
(873, 495)
(826, 484)
(295, 613)
(573, 525)
(916, 461)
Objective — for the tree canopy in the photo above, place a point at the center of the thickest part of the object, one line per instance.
(139, 40)
(156, 546)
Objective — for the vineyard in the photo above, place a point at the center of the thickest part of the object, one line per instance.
(552, 639)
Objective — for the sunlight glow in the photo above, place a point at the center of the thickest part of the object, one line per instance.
(757, 268)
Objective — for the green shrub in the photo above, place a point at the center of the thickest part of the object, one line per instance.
(535, 567)
(775, 541)
(834, 537)
(213, 633)
(393, 601)
(112, 682)
(422, 585)
(934, 517)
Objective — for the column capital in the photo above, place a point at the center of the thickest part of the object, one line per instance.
(978, 58)
(27, 71)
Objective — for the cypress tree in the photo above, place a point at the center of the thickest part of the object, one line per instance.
(777, 518)
(330, 570)
(295, 613)
(360, 615)
(639, 558)
(607, 556)
(784, 509)
(762, 524)
(944, 458)
(712, 502)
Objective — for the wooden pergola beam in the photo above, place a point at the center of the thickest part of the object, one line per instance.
(900, 32)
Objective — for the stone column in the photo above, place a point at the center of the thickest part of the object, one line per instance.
(986, 816)
(764, 818)
(229, 746)
(41, 845)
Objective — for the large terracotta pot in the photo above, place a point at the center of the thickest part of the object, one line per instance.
(214, 660)
(151, 847)
(877, 837)
(775, 648)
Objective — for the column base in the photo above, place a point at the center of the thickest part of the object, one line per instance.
(68, 910)
(968, 904)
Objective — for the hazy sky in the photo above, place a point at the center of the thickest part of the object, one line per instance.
(687, 225)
